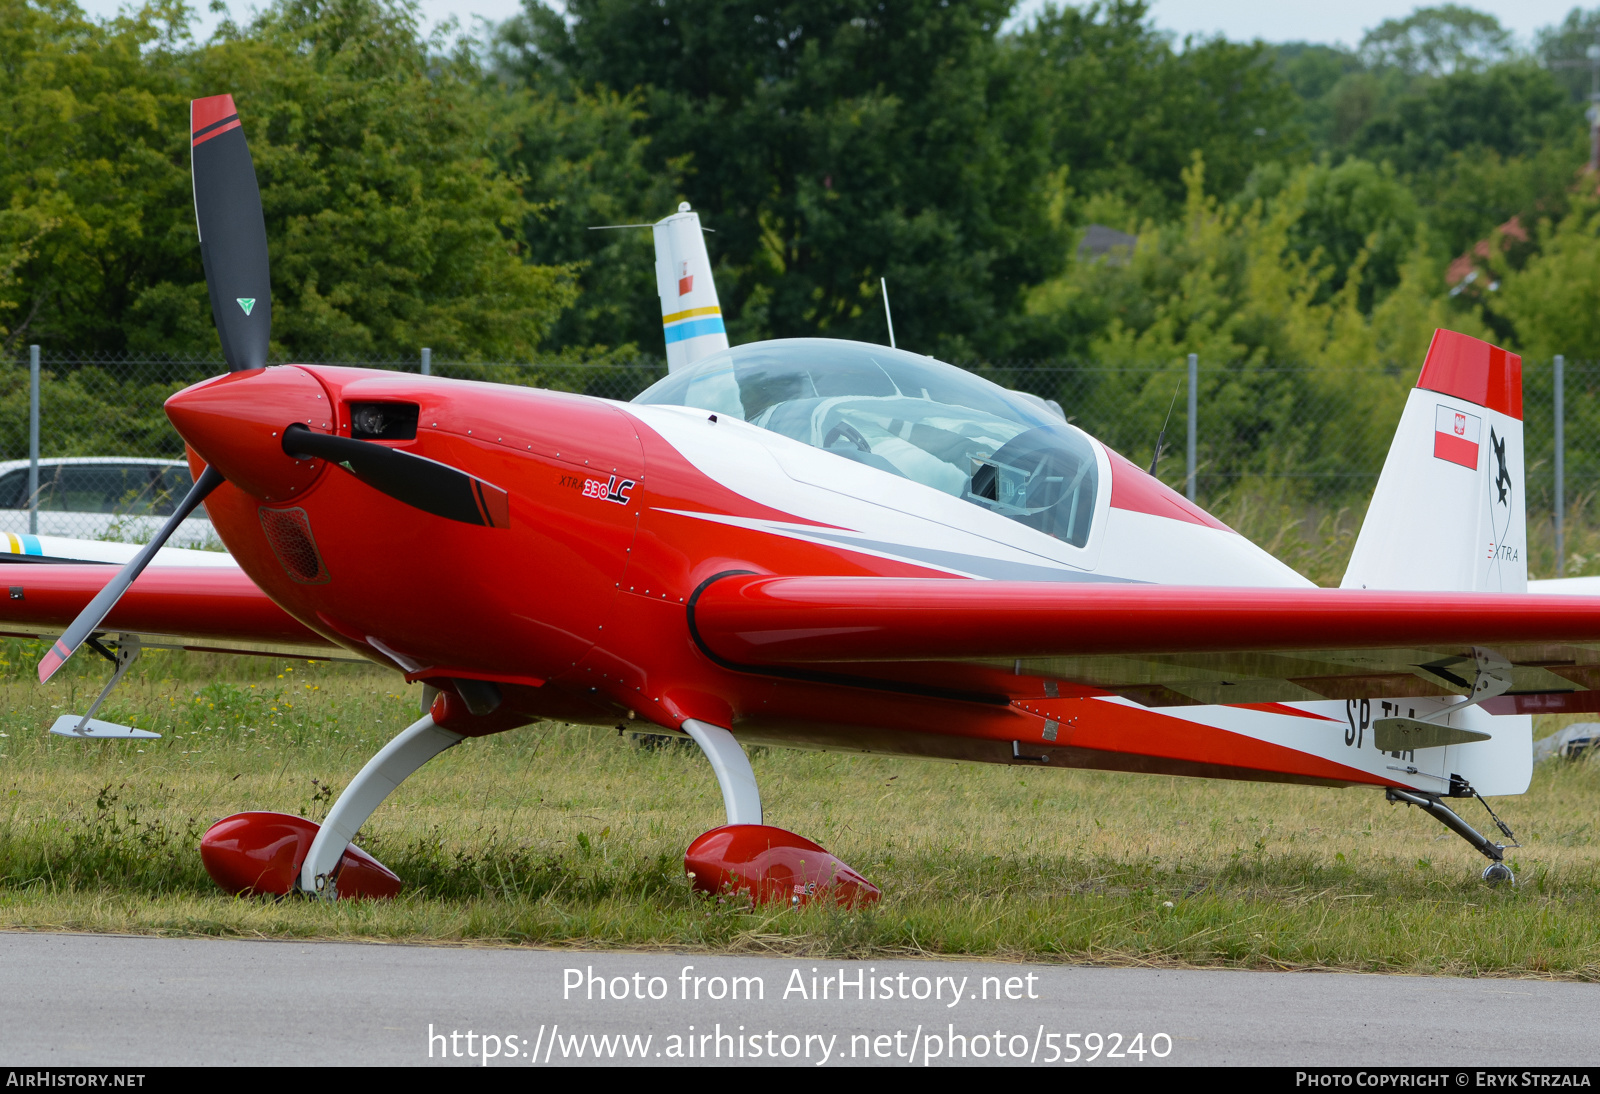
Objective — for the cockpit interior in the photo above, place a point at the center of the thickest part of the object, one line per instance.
(905, 415)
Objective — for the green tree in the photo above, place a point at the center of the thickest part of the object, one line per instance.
(1126, 111)
(1511, 109)
(1234, 284)
(1324, 78)
(830, 144)
(1438, 41)
(391, 227)
(583, 165)
(1569, 50)
(1479, 147)
(390, 224)
(91, 182)
(1550, 301)
(1356, 216)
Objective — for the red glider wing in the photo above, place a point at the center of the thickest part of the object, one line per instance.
(196, 608)
(1164, 645)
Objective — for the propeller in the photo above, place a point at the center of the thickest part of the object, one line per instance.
(233, 249)
(233, 232)
(417, 481)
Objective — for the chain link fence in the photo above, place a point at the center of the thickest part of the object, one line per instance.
(1294, 438)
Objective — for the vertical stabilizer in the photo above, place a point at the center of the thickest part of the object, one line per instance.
(1448, 515)
(689, 309)
(1448, 511)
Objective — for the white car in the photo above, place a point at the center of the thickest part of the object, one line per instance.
(115, 498)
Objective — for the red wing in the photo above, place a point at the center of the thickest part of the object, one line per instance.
(214, 608)
(1165, 645)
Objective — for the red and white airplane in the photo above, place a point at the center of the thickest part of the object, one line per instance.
(819, 544)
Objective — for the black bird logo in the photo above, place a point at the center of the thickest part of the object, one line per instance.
(1502, 479)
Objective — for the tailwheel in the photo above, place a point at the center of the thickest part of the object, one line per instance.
(1498, 873)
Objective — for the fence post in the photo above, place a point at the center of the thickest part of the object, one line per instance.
(1561, 463)
(427, 361)
(1194, 403)
(33, 440)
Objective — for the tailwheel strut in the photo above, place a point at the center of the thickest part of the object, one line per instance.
(1497, 871)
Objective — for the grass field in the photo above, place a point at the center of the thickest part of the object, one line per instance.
(1317, 539)
(557, 835)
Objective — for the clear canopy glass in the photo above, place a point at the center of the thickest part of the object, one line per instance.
(906, 415)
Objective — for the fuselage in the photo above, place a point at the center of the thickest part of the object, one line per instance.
(581, 608)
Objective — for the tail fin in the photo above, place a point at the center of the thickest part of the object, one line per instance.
(689, 309)
(1448, 511)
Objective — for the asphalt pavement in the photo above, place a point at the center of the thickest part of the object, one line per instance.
(72, 999)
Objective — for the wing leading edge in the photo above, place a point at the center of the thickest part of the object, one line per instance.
(210, 608)
(1165, 645)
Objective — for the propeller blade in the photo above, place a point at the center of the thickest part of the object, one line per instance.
(233, 233)
(417, 481)
(91, 617)
(233, 248)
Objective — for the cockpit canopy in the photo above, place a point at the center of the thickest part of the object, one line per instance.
(908, 415)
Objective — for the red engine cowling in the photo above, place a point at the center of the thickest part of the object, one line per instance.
(771, 864)
(254, 853)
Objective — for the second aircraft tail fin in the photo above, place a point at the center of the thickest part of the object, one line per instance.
(690, 312)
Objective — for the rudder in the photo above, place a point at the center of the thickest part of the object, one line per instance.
(1448, 512)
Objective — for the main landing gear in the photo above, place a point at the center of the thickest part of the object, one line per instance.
(745, 855)
(278, 854)
(275, 853)
(1497, 871)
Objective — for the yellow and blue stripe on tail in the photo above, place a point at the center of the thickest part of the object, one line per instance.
(690, 311)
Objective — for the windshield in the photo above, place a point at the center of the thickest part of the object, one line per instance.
(908, 415)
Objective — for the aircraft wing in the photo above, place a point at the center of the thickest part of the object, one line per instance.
(1158, 645)
(202, 608)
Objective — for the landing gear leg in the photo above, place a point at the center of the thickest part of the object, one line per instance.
(1497, 871)
(388, 769)
(740, 795)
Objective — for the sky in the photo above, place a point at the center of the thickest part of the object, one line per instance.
(1343, 22)
(1272, 20)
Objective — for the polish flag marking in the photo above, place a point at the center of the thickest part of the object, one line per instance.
(1456, 435)
(685, 281)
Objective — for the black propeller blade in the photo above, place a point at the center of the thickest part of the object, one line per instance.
(233, 233)
(233, 248)
(417, 481)
(91, 616)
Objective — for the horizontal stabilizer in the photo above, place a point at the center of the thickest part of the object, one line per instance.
(95, 729)
(1400, 734)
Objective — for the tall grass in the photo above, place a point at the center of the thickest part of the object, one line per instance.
(557, 835)
(1317, 539)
